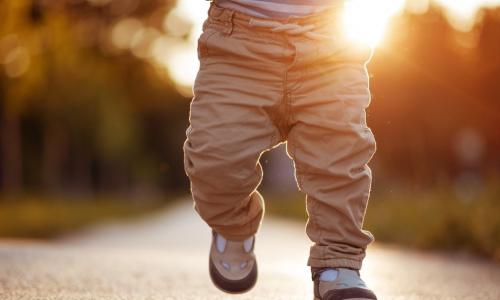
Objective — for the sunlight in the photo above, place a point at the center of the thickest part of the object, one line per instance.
(181, 58)
(365, 21)
(462, 14)
(183, 67)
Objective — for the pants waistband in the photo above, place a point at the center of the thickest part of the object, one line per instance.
(306, 25)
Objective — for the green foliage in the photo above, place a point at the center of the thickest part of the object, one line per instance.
(432, 219)
(43, 217)
(86, 111)
(438, 220)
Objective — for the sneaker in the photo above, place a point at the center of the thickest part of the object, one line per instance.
(346, 285)
(232, 264)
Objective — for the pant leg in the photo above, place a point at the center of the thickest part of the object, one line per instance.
(236, 90)
(331, 146)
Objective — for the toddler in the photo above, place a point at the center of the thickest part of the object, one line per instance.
(272, 72)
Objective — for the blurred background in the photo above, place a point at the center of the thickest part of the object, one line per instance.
(94, 101)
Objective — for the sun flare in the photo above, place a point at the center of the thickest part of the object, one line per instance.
(365, 21)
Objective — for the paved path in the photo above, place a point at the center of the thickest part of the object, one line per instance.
(165, 257)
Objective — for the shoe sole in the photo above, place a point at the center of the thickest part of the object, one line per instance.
(316, 298)
(232, 286)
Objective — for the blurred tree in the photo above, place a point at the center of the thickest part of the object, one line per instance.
(425, 93)
(86, 109)
(87, 96)
(488, 81)
(15, 57)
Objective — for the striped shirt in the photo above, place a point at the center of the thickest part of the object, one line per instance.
(277, 9)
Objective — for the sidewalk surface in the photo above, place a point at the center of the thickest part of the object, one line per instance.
(165, 257)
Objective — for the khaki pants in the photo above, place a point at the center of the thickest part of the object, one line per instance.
(257, 88)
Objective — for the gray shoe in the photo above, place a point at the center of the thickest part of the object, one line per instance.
(347, 286)
(232, 264)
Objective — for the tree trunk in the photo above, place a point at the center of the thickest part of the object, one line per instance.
(82, 172)
(54, 156)
(11, 149)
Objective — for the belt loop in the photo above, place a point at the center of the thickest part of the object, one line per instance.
(228, 17)
(222, 15)
(211, 6)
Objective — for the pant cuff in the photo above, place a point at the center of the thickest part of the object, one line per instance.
(335, 263)
(239, 233)
(233, 235)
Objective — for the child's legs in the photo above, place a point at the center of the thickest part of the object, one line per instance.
(222, 150)
(331, 146)
(236, 92)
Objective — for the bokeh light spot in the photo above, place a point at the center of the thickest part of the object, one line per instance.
(124, 31)
(17, 61)
(365, 21)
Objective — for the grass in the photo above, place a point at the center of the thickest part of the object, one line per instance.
(427, 219)
(432, 219)
(47, 217)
